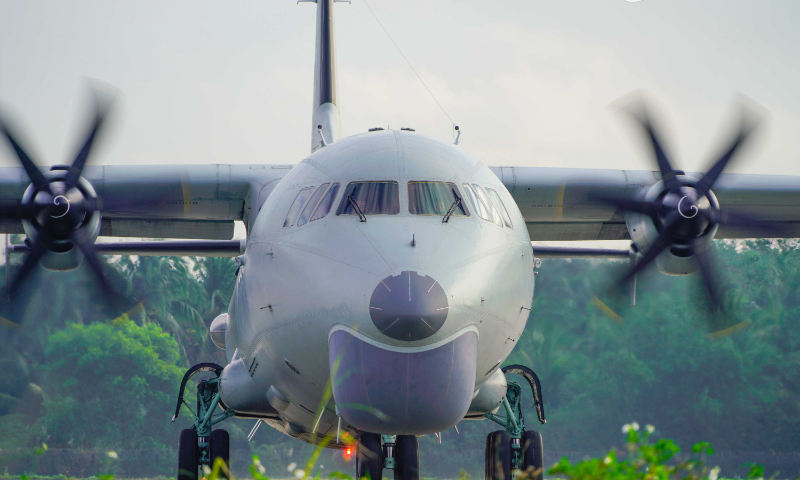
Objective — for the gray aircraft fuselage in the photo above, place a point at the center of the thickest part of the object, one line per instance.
(406, 314)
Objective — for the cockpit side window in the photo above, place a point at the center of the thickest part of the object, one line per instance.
(372, 198)
(495, 215)
(298, 203)
(306, 213)
(327, 202)
(500, 206)
(434, 198)
(480, 208)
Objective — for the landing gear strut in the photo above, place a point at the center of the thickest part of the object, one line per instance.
(199, 445)
(397, 452)
(516, 448)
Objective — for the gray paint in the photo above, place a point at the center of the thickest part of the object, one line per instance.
(298, 284)
(399, 392)
(557, 202)
(166, 201)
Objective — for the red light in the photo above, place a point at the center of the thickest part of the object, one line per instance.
(348, 451)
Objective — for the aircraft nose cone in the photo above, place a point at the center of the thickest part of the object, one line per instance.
(408, 306)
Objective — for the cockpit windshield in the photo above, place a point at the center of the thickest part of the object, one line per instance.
(372, 198)
(434, 198)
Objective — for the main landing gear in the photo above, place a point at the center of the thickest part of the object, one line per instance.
(516, 448)
(376, 452)
(200, 446)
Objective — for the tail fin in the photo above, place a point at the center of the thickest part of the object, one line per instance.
(325, 125)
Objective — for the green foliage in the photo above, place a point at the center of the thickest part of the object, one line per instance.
(645, 460)
(110, 381)
(741, 391)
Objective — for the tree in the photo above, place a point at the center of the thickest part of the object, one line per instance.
(111, 384)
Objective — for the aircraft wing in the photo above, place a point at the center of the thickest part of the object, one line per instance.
(561, 204)
(164, 201)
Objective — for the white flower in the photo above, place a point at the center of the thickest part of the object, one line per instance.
(714, 473)
(626, 428)
(112, 454)
(299, 473)
(206, 470)
(259, 466)
(649, 428)
(635, 426)
(290, 468)
(607, 460)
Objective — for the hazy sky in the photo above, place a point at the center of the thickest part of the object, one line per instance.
(529, 82)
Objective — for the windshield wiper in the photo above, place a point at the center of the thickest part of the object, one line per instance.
(356, 208)
(456, 203)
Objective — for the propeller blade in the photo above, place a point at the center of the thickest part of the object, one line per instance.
(631, 205)
(35, 254)
(661, 244)
(36, 176)
(734, 218)
(640, 113)
(708, 180)
(75, 170)
(15, 212)
(706, 263)
(91, 258)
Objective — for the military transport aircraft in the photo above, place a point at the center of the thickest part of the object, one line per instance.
(386, 277)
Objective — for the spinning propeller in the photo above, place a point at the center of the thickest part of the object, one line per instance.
(60, 209)
(685, 211)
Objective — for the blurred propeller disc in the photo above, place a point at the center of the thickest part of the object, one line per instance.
(60, 205)
(685, 213)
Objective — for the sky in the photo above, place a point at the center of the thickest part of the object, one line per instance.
(530, 83)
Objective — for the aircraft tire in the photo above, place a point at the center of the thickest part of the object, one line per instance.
(498, 456)
(369, 456)
(406, 458)
(187, 455)
(533, 454)
(221, 448)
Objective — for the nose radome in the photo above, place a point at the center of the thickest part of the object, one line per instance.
(408, 306)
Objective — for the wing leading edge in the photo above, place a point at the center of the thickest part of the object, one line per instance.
(561, 203)
(165, 201)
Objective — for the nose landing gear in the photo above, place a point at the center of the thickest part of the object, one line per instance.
(398, 452)
(516, 448)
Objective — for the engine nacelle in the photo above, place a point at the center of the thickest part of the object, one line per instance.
(676, 260)
(63, 256)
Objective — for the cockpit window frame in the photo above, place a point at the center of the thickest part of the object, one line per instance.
(485, 198)
(495, 197)
(291, 214)
(344, 202)
(481, 210)
(452, 185)
(311, 204)
(332, 193)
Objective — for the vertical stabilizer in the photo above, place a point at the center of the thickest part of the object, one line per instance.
(325, 111)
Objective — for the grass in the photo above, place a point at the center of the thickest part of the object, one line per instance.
(645, 457)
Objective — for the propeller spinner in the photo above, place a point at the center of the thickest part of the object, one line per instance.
(60, 209)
